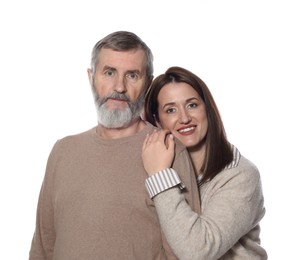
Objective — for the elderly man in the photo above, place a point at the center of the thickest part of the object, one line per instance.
(93, 203)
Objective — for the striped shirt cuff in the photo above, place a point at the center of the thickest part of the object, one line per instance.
(161, 181)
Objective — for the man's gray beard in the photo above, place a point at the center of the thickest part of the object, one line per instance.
(117, 118)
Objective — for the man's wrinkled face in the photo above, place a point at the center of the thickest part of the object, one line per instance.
(118, 86)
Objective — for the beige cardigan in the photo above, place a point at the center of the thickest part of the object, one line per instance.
(227, 228)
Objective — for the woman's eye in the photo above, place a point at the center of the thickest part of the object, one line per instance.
(192, 105)
(170, 110)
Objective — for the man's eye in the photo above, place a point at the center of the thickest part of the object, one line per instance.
(132, 76)
(109, 73)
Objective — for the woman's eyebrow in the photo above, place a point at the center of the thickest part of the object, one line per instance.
(168, 104)
(187, 100)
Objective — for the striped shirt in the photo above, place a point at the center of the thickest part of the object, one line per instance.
(168, 178)
(236, 157)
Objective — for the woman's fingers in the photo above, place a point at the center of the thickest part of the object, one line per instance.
(170, 142)
(158, 136)
(158, 151)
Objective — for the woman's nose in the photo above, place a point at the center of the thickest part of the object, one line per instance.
(184, 117)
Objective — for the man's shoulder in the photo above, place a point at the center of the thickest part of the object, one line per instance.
(75, 139)
(80, 135)
(179, 147)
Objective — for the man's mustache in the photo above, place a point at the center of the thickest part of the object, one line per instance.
(115, 95)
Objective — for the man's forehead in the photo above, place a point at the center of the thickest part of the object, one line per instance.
(130, 60)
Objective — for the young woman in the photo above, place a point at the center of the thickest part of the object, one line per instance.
(230, 189)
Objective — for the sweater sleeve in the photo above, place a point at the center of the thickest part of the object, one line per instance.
(232, 205)
(43, 241)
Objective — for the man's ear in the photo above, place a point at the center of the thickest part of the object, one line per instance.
(90, 75)
(151, 80)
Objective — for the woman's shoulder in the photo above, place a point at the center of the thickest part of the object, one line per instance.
(240, 167)
(246, 169)
(242, 180)
(241, 184)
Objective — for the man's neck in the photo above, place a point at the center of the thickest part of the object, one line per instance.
(116, 133)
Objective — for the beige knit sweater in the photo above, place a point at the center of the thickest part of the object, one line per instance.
(93, 203)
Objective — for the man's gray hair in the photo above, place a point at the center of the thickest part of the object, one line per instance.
(123, 41)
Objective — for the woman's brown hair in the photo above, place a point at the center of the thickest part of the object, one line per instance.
(218, 151)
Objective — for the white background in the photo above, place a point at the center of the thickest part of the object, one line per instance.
(245, 51)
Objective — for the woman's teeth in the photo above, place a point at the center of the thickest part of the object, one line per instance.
(184, 130)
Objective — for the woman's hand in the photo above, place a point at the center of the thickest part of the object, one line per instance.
(158, 151)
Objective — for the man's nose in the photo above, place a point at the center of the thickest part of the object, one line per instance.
(120, 84)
